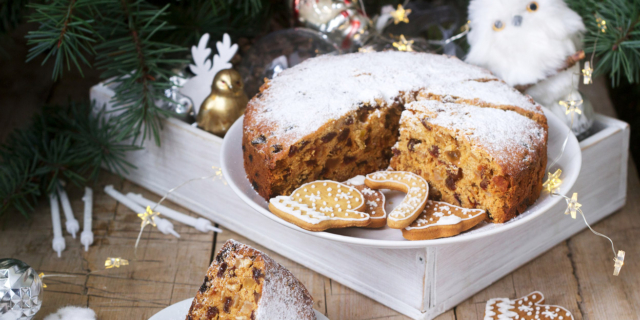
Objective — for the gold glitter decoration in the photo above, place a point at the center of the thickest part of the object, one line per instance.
(115, 263)
(148, 217)
(573, 206)
(403, 44)
(571, 106)
(587, 73)
(400, 15)
(619, 262)
(553, 181)
(602, 24)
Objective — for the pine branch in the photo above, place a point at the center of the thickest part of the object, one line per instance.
(66, 33)
(63, 143)
(139, 65)
(618, 48)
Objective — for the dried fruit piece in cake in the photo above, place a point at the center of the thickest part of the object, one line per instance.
(474, 157)
(243, 283)
(322, 205)
(529, 307)
(413, 185)
(374, 200)
(441, 219)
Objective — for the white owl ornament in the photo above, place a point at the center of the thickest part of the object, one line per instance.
(527, 43)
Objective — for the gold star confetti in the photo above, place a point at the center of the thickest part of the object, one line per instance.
(115, 263)
(403, 44)
(148, 217)
(400, 15)
(602, 24)
(573, 205)
(571, 106)
(619, 262)
(587, 72)
(41, 275)
(553, 181)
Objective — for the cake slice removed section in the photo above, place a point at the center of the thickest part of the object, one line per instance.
(243, 283)
(472, 156)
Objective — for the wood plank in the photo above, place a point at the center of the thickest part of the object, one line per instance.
(603, 295)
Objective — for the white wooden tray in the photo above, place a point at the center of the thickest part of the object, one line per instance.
(418, 282)
(569, 161)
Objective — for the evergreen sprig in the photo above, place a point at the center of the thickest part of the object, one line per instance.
(64, 143)
(66, 33)
(137, 64)
(618, 47)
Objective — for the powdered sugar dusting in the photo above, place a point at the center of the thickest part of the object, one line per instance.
(507, 136)
(283, 296)
(304, 98)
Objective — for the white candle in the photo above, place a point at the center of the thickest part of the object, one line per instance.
(86, 237)
(72, 224)
(163, 225)
(58, 241)
(199, 224)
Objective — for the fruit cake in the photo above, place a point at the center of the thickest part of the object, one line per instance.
(243, 283)
(335, 117)
(473, 157)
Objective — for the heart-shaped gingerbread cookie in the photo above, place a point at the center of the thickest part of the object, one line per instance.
(413, 185)
(322, 205)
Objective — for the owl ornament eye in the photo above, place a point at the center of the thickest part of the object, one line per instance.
(532, 6)
(498, 25)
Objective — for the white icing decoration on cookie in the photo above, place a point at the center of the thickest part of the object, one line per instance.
(443, 215)
(289, 205)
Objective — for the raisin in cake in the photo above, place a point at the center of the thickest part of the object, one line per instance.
(243, 283)
(335, 117)
(473, 157)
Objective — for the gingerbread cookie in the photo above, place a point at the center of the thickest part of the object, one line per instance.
(413, 185)
(441, 219)
(374, 200)
(529, 307)
(322, 205)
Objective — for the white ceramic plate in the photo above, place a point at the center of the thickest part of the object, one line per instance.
(570, 163)
(178, 311)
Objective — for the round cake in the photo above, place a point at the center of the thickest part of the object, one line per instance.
(335, 117)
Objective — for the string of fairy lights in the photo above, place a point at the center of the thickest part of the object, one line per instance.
(553, 182)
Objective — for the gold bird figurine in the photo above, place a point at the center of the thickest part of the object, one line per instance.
(225, 104)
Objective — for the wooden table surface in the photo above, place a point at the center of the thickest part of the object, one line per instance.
(165, 270)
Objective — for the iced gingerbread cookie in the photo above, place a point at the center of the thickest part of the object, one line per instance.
(374, 201)
(413, 185)
(441, 219)
(530, 307)
(322, 205)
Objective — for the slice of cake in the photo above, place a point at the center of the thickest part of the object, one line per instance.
(472, 156)
(243, 283)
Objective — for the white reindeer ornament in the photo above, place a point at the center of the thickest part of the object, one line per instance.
(199, 87)
(527, 43)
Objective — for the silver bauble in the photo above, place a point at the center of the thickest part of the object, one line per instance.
(20, 290)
